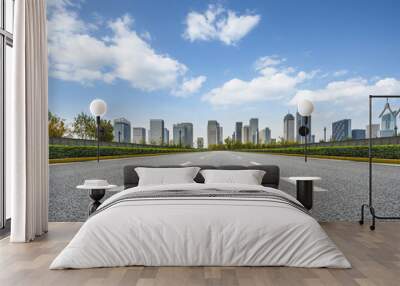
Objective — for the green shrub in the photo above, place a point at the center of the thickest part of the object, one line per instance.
(378, 151)
(62, 151)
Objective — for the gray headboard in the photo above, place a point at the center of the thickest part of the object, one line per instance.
(271, 177)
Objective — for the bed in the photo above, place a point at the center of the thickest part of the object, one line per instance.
(198, 224)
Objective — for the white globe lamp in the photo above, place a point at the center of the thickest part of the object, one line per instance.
(305, 107)
(98, 107)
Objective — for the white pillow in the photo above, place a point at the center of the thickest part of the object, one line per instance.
(166, 176)
(248, 177)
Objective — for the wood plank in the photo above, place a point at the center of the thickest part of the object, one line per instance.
(375, 257)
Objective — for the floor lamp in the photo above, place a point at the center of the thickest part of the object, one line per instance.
(305, 108)
(369, 205)
(98, 107)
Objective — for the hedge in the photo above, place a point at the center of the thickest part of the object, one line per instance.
(378, 151)
(62, 151)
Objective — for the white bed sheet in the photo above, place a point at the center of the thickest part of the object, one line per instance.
(200, 232)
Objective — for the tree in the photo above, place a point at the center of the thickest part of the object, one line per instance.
(84, 126)
(57, 126)
(229, 143)
(106, 131)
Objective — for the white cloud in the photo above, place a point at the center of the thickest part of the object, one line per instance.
(273, 82)
(217, 23)
(190, 86)
(340, 73)
(266, 61)
(350, 90)
(76, 54)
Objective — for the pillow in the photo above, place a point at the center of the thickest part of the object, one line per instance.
(166, 176)
(248, 177)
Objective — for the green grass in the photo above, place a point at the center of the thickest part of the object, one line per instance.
(391, 152)
(356, 159)
(63, 151)
(84, 159)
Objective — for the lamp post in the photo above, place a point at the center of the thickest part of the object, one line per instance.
(305, 108)
(98, 107)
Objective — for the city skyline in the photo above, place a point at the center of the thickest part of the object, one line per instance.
(341, 130)
(259, 71)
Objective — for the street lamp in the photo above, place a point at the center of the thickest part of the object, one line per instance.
(98, 107)
(305, 108)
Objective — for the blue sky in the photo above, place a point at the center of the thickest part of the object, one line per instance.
(225, 60)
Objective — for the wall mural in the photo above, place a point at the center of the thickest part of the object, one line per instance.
(192, 82)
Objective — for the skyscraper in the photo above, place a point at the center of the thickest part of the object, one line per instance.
(375, 131)
(212, 132)
(254, 130)
(358, 134)
(156, 133)
(341, 130)
(166, 136)
(139, 135)
(122, 130)
(221, 135)
(300, 121)
(183, 134)
(238, 132)
(288, 128)
(200, 142)
(246, 134)
(265, 136)
(388, 121)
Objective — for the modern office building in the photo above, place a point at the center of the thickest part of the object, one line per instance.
(212, 132)
(200, 142)
(358, 134)
(183, 134)
(238, 132)
(375, 130)
(139, 135)
(156, 133)
(246, 134)
(122, 130)
(221, 135)
(254, 130)
(388, 121)
(288, 128)
(265, 136)
(301, 121)
(166, 136)
(312, 138)
(341, 130)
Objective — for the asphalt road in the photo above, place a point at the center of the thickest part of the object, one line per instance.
(338, 196)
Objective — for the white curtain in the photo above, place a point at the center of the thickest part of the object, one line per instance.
(26, 124)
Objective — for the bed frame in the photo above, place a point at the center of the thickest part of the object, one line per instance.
(270, 179)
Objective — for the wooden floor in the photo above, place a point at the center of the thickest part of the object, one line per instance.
(375, 257)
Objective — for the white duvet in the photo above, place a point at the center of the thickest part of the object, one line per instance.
(194, 231)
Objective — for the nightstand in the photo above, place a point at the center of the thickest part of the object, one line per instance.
(304, 190)
(97, 190)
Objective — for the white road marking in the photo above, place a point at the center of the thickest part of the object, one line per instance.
(255, 163)
(316, 189)
(202, 157)
(239, 157)
(186, 163)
